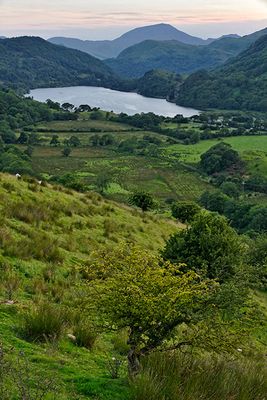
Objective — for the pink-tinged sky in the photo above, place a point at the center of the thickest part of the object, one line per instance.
(98, 19)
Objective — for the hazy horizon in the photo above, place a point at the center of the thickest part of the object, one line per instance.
(104, 19)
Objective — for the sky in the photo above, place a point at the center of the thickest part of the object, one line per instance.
(107, 19)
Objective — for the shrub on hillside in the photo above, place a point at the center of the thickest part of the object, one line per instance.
(85, 334)
(142, 200)
(185, 211)
(10, 283)
(44, 321)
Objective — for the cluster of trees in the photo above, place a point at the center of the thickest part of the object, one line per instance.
(147, 145)
(244, 216)
(13, 160)
(219, 158)
(224, 165)
(102, 140)
(159, 83)
(73, 141)
(146, 121)
(20, 113)
(17, 112)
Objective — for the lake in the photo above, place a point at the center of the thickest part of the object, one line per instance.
(111, 100)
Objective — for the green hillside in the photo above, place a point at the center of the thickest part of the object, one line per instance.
(234, 46)
(171, 56)
(240, 84)
(49, 237)
(158, 83)
(31, 62)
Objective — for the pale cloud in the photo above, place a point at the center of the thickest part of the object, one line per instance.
(50, 15)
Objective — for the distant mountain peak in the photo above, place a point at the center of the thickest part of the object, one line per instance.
(112, 48)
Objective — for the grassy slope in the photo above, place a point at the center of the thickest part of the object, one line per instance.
(77, 224)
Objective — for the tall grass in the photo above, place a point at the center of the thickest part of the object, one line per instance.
(179, 376)
(85, 334)
(44, 321)
(40, 245)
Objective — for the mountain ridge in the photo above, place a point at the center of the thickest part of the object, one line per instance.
(177, 57)
(112, 48)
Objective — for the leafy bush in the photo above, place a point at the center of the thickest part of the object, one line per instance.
(209, 246)
(142, 200)
(185, 211)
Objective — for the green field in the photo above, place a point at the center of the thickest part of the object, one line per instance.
(248, 146)
(168, 176)
(162, 178)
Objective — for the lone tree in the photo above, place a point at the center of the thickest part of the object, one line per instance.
(66, 152)
(67, 106)
(74, 141)
(55, 141)
(149, 297)
(103, 182)
(142, 200)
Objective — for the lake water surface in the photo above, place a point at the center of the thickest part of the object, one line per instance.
(111, 100)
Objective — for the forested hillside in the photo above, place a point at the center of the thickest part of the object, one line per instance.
(240, 84)
(167, 55)
(158, 83)
(31, 62)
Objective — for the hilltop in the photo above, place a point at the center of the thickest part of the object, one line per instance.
(31, 62)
